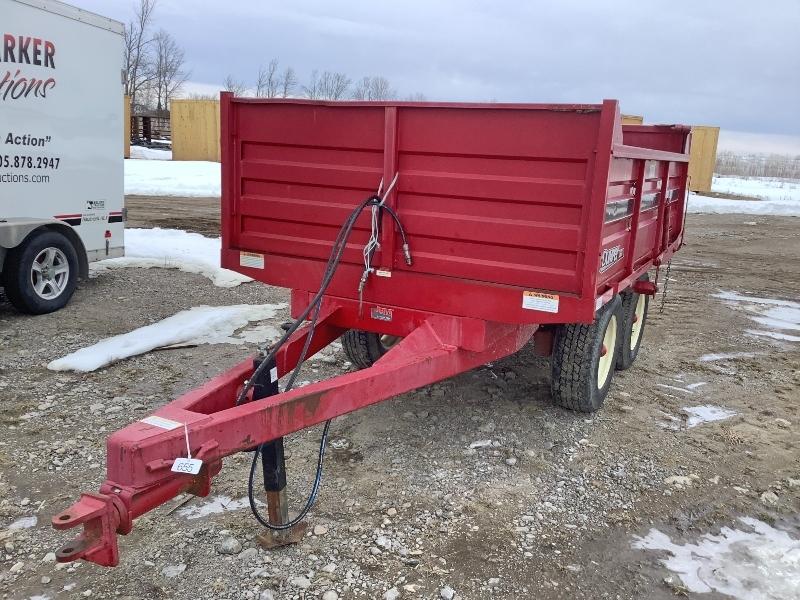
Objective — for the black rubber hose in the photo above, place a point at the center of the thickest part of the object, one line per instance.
(315, 305)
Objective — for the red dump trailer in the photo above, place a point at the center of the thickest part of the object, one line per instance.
(431, 238)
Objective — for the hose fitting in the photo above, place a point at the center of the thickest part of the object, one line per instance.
(407, 254)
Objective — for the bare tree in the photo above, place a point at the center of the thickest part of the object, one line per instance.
(288, 81)
(234, 85)
(138, 71)
(361, 91)
(268, 84)
(311, 90)
(333, 86)
(373, 88)
(168, 59)
(758, 165)
(416, 97)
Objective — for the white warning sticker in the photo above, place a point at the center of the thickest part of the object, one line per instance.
(161, 422)
(538, 301)
(273, 374)
(254, 260)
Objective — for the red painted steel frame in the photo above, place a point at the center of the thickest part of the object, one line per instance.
(139, 478)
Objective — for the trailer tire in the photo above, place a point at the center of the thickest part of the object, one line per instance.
(581, 371)
(634, 317)
(364, 348)
(41, 273)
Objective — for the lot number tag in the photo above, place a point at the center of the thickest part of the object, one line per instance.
(190, 466)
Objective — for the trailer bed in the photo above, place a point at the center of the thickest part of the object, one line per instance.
(517, 216)
(515, 213)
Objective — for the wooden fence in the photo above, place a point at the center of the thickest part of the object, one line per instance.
(195, 129)
(703, 157)
(632, 119)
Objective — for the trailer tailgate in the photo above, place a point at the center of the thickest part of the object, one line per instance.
(486, 194)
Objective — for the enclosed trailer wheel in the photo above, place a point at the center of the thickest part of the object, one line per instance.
(583, 360)
(41, 273)
(634, 316)
(364, 348)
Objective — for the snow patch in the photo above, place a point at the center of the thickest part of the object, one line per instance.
(774, 335)
(217, 505)
(706, 413)
(24, 523)
(143, 153)
(253, 335)
(776, 197)
(777, 315)
(172, 178)
(198, 325)
(670, 422)
(727, 356)
(757, 562)
(673, 387)
(780, 317)
(173, 249)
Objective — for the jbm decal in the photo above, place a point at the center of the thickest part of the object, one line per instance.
(381, 314)
(610, 257)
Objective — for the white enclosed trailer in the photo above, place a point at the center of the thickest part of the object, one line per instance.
(61, 149)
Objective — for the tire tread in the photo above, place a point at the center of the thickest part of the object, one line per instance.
(363, 348)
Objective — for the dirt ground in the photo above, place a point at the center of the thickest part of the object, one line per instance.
(193, 214)
(549, 510)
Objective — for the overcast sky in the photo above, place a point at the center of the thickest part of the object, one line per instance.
(730, 63)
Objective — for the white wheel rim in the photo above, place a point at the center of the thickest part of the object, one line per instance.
(49, 273)
(638, 321)
(606, 362)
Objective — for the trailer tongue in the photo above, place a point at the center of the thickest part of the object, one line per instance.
(503, 223)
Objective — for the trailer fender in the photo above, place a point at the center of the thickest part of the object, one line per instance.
(14, 232)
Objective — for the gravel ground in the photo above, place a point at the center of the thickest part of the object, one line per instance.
(476, 487)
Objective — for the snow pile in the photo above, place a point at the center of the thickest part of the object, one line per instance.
(757, 562)
(198, 325)
(706, 413)
(217, 505)
(777, 197)
(172, 178)
(727, 356)
(173, 249)
(777, 316)
(143, 153)
(24, 523)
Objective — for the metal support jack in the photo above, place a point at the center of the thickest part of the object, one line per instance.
(274, 467)
(273, 463)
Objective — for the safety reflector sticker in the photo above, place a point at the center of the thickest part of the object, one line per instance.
(161, 422)
(254, 260)
(538, 301)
